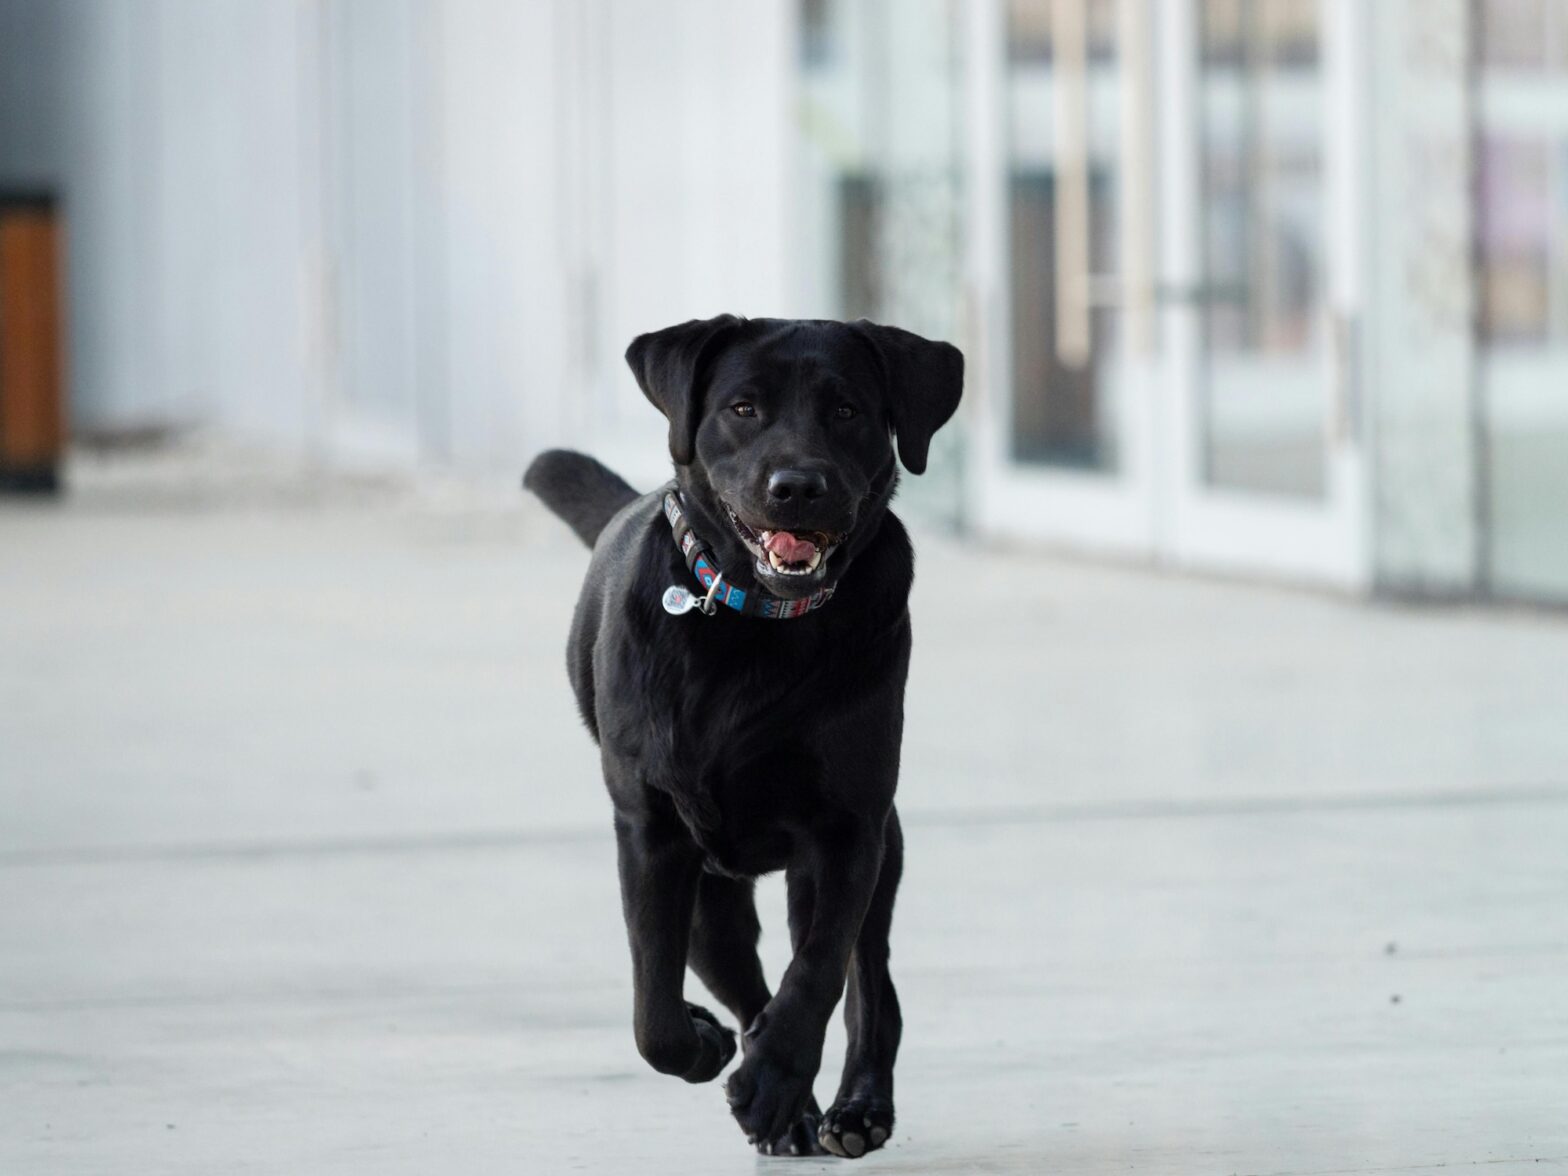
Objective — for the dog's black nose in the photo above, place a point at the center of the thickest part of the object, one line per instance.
(796, 485)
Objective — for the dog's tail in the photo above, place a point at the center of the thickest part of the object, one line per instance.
(577, 488)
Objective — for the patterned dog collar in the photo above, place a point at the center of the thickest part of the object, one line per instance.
(699, 559)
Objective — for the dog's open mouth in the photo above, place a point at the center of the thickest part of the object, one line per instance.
(784, 553)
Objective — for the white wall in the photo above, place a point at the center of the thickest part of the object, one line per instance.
(700, 117)
(610, 167)
(393, 227)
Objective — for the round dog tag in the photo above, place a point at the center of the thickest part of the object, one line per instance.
(678, 600)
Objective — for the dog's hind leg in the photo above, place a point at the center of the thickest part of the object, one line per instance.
(659, 868)
(861, 1117)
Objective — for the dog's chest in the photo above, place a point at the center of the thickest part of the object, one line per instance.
(744, 767)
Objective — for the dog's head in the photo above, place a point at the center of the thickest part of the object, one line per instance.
(782, 434)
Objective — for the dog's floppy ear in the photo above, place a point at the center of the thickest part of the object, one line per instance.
(668, 365)
(923, 381)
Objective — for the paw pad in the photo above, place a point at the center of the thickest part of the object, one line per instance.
(856, 1126)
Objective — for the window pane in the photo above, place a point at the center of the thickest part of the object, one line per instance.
(1511, 34)
(1029, 30)
(878, 185)
(1521, 226)
(1261, 91)
(1064, 393)
(1513, 227)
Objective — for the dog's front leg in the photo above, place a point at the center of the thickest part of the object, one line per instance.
(659, 869)
(770, 1090)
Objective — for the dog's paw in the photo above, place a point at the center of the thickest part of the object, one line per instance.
(717, 1045)
(856, 1125)
(800, 1139)
(767, 1099)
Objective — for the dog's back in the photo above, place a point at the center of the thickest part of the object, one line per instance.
(584, 493)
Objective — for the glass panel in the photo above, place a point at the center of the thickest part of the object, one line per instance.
(881, 161)
(1029, 31)
(1521, 35)
(879, 183)
(1522, 257)
(1511, 34)
(1261, 305)
(1514, 226)
(816, 34)
(1064, 123)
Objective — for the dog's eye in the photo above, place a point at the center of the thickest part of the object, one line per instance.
(846, 412)
(743, 409)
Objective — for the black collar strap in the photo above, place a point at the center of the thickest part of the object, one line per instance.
(700, 560)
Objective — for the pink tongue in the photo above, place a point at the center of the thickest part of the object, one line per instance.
(790, 549)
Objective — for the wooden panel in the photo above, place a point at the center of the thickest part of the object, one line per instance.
(32, 425)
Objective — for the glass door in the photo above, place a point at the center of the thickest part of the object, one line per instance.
(1522, 258)
(1062, 216)
(1167, 278)
(1263, 284)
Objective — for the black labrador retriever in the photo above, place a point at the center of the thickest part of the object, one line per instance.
(739, 652)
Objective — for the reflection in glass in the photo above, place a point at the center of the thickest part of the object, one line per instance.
(881, 160)
(1514, 231)
(1521, 226)
(1261, 94)
(1521, 36)
(1030, 22)
(1064, 122)
(879, 179)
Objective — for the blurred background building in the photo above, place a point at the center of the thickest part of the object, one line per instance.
(1276, 287)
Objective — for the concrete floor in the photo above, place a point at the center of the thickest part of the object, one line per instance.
(304, 866)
